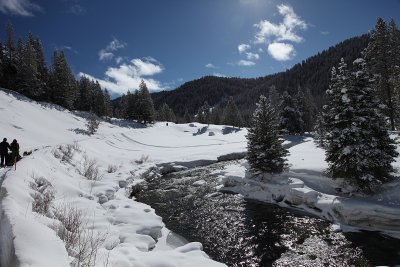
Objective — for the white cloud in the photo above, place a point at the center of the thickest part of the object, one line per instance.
(324, 32)
(281, 51)
(243, 48)
(252, 56)
(77, 9)
(284, 31)
(19, 7)
(126, 77)
(118, 60)
(216, 74)
(107, 53)
(211, 66)
(245, 63)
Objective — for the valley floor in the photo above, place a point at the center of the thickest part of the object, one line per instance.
(121, 154)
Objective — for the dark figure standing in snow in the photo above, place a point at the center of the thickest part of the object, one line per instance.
(14, 152)
(4, 147)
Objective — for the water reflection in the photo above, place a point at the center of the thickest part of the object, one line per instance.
(244, 233)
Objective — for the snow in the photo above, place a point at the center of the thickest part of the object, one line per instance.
(132, 233)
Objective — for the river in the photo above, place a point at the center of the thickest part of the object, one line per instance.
(240, 232)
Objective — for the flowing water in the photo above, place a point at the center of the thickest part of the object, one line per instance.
(238, 232)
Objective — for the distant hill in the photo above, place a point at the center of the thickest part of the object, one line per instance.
(312, 74)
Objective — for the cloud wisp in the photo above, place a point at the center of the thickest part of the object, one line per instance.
(23, 8)
(107, 53)
(211, 66)
(127, 77)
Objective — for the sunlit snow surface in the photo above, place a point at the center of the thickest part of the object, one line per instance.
(135, 235)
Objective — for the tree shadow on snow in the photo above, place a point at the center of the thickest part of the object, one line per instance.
(229, 130)
(201, 130)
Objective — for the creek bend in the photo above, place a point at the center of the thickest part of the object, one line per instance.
(240, 232)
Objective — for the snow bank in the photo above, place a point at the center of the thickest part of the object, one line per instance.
(305, 187)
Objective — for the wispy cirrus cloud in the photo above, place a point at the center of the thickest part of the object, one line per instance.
(19, 7)
(77, 9)
(107, 53)
(128, 76)
(245, 63)
(211, 66)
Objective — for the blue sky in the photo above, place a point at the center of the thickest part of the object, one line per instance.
(167, 43)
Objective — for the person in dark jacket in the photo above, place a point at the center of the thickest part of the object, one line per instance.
(14, 151)
(4, 147)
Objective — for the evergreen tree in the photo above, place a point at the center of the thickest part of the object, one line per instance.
(27, 78)
(320, 131)
(42, 71)
(231, 115)
(378, 56)
(108, 106)
(359, 147)
(83, 99)
(274, 97)
(145, 105)
(307, 109)
(291, 121)
(216, 115)
(10, 59)
(166, 113)
(62, 82)
(265, 152)
(186, 116)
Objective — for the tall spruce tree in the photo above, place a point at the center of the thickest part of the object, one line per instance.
(63, 84)
(291, 121)
(378, 56)
(231, 115)
(359, 147)
(265, 152)
(145, 105)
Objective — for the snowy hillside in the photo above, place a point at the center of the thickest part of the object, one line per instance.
(128, 230)
(123, 231)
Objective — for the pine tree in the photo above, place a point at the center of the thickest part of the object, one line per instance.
(166, 113)
(291, 121)
(307, 109)
(27, 78)
(62, 82)
(145, 105)
(108, 106)
(377, 55)
(42, 71)
(320, 131)
(10, 59)
(186, 116)
(231, 115)
(359, 147)
(265, 152)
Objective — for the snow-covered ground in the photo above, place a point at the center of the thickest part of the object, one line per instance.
(129, 233)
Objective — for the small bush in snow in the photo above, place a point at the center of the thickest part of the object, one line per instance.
(43, 196)
(90, 169)
(71, 225)
(112, 168)
(143, 159)
(92, 123)
(80, 242)
(76, 146)
(64, 152)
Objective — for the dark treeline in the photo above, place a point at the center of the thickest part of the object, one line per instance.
(23, 69)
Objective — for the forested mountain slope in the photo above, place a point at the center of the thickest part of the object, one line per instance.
(312, 74)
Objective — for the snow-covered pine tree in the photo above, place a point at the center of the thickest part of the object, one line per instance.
(378, 57)
(145, 105)
(359, 147)
(232, 115)
(291, 121)
(265, 152)
(320, 131)
(92, 123)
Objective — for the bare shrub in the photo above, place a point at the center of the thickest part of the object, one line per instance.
(76, 146)
(89, 169)
(71, 226)
(143, 159)
(64, 152)
(112, 168)
(43, 196)
(81, 243)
